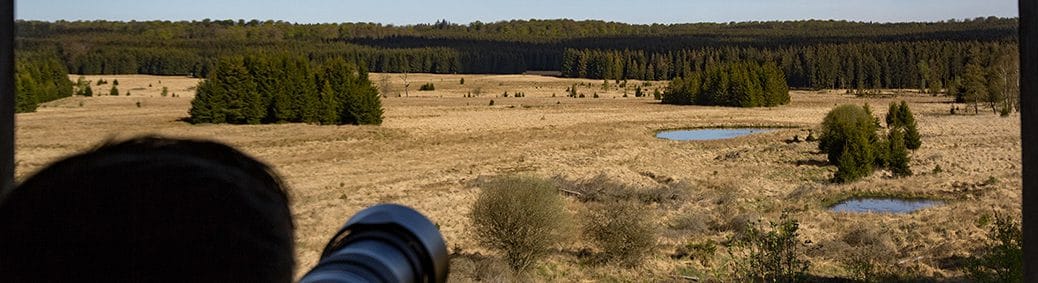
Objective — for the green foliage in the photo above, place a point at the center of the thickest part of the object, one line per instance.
(870, 55)
(850, 141)
(912, 138)
(775, 254)
(25, 93)
(622, 230)
(734, 84)
(848, 138)
(974, 87)
(39, 78)
(115, 82)
(898, 159)
(899, 117)
(1002, 261)
(427, 87)
(114, 91)
(284, 88)
(88, 91)
(522, 217)
(165, 91)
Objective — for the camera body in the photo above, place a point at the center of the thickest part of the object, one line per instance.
(383, 243)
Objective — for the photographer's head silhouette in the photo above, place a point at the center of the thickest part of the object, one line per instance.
(149, 209)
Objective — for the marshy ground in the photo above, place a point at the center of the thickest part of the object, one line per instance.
(433, 145)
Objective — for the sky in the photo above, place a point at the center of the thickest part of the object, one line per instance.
(403, 12)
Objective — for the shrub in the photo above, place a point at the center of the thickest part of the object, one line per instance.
(775, 255)
(114, 91)
(165, 91)
(520, 216)
(491, 102)
(621, 230)
(849, 138)
(427, 87)
(462, 81)
(1003, 260)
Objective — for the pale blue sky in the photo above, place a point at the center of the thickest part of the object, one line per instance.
(465, 11)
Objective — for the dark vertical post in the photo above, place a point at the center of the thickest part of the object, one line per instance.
(6, 97)
(1029, 120)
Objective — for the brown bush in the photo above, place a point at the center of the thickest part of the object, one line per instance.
(622, 230)
(522, 217)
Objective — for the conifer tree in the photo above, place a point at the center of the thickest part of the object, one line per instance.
(898, 158)
(912, 139)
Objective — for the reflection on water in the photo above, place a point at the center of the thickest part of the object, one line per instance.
(877, 205)
(708, 134)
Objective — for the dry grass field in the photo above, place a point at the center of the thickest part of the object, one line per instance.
(434, 145)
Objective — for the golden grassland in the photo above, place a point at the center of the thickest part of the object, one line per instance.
(434, 145)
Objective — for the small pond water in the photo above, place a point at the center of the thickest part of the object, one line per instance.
(884, 205)
(708, 134)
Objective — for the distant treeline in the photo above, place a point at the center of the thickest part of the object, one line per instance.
(744, 84)
(39, 78)
(812, 53)
(276, 88)
(900, 65)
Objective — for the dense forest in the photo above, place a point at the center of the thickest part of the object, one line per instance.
(812, 54)
(40, 78)
(276, 88)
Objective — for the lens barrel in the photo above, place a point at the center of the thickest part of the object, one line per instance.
(384, 243)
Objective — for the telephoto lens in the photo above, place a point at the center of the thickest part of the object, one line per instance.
(384, 243)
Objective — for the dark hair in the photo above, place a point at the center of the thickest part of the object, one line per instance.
(149, 209)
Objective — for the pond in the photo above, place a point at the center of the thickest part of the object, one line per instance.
(884, 205)
(709, 134)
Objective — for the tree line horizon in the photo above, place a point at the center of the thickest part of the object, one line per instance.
(655, 51)
(811, 54)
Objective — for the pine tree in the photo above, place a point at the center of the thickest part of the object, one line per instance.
(367, 108)
(25, 89)
(893, 116)
(913, 140)
(975, 86)
(203, 104)
(856, 159)
(898, 159)
(243, 104)
(327, 111)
